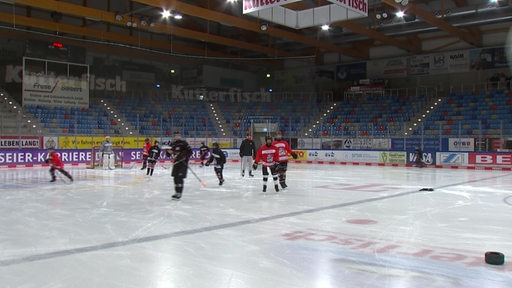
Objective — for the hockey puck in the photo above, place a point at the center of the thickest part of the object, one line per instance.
(494, 258)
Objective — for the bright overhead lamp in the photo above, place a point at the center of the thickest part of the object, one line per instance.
(166, 13)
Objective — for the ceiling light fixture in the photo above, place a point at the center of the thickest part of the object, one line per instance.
(166, 13)
(382, 15)
(264, 26)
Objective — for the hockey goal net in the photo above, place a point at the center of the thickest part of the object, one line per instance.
(97, 159)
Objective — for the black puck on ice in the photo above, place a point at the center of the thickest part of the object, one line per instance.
(494, 258)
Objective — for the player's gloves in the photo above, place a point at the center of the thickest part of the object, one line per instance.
(207, 164)
(255, 166)
(294, 155)
(241, 155)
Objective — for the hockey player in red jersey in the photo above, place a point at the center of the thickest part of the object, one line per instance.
(145, 153)
(284, 150)
(56, 164)
(268, 155)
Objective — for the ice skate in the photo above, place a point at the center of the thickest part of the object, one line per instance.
(264, 188)
(176, 196)
(276, 187)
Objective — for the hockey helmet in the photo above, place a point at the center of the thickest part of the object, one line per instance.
(215, 145)
(268, 137)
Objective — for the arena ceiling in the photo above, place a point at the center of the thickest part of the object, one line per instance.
(217, 29)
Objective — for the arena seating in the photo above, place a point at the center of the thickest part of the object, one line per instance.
(483, 114)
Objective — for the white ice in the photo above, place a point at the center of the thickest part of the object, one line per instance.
(335, 226)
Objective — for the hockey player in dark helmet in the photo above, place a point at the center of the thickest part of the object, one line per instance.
(203, 152)
(268, 156)
(218, 156)
(181, 152)
(154, 154)
(284, 151)
(145, 153)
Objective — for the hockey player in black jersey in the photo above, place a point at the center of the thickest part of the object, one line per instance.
(181, 152)
(218, 156)
(203, 152)
(153, 155)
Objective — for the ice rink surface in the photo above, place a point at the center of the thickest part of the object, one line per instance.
(335, 226)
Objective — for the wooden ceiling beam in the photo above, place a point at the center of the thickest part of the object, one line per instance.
(106, 36)
(109, 17)
(251, 26)
(474, 38)
(372, 34)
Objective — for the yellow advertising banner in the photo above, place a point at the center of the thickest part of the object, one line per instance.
(301, 155)
(393, 157)
(85, 142)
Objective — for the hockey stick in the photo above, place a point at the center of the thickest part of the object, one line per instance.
(62, 177)
(197, 177)
(131, 166)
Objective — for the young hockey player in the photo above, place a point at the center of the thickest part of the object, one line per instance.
(203, 152)
(154, 154)
(284, 150)
(247, 154)
(145, 153)
(107, 153)
(220, 159)
(268, 155)
(56, 164)
(181, 152)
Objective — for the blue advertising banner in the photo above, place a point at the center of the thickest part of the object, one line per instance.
(397, 144)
